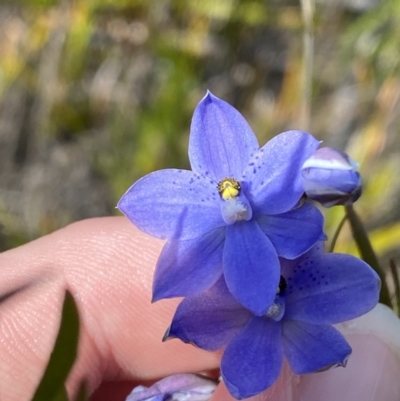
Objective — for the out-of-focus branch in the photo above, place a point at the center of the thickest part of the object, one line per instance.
(307, 8)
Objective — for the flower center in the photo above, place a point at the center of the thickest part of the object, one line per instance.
(282, 286)
(277, 309)
(234, 206)
(228, 188)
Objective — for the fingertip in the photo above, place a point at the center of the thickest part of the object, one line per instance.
(370, 375)
(373, 368)
(221, 393)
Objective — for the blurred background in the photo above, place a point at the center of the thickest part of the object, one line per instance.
(94, 94)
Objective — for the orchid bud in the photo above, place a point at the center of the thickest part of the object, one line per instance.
(330, 177)
(182, 387)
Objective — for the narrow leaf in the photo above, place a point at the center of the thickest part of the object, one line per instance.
(367, 252)
(62, 358)
(396, 283)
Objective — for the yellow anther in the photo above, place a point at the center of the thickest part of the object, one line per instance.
(228, 188)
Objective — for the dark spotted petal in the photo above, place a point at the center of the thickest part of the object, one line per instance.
(274, 172)
(173, 204)
(331, 288)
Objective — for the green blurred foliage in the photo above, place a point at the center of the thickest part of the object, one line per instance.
(95, 94)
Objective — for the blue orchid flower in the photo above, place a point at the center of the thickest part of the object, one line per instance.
(331, 178)
(315, 292)
(181, 387)
(235, 213)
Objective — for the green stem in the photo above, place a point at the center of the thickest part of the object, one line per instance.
(337, 232)
(367, 252)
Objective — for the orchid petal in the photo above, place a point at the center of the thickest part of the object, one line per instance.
(221, 141)
(173, 204)
(294, 232)
(310, 348)
(253, 359)
(274, 172)
(210, 319)
(251, 266)
(331, 288)
(189, 267)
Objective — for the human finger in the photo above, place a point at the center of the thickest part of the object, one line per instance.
(107, 265)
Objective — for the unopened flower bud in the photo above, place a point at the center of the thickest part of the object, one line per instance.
(181, 387)
(330, 177)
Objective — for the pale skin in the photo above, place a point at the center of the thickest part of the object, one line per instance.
(108, 265)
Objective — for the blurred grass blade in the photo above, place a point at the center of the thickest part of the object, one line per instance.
(396, 283)
(337, 232)
(51, 387)
(367, 253)
(61, 395)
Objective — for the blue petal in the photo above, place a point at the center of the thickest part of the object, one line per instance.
(331, 188)
(189, 267)
(210, 319)
(251, 266)
(173, 204)
(331, 288)
(253, 359)
(221, 142)
(295, 232)
(274, 172)
(309, 348)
